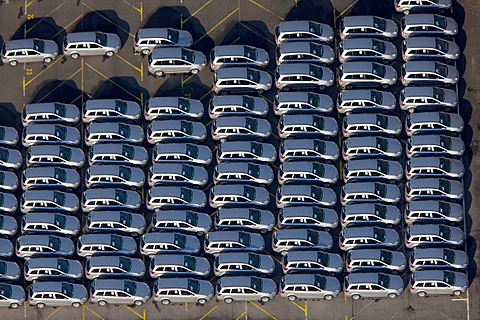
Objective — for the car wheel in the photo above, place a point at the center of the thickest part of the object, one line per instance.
(263, 231)
(394, 271)
(40, 305)
(356, 297)
(264, 299)
(384, 86)
(406, 11)
(138, 302)
(292, 298)
(200, 233)
(194, 71)
(421, 294)
(328, 297)
(286, 88)
(284, 253)
(159, 73)
(202, 301)
(13, 63)
(14, 305)
(102, 303)
(134, 234)
(321, 87)
(145, 51)
(165, 302)
(259, 91)
(228, 300)
(109, 53)
(392, 295)
(349, 86)
(74, 55)
(411, 110)
(457, 292)
(223, 92)
(47, 60)
(326, 229)
(76, 304)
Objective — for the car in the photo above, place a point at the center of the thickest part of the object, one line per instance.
(361, 260)
(307, 126)
(12, 295)
(243, 172)
(306, 172)
(363, 192)
(61, 156)
(172, 108)
(367, 26)
(305, 195)
(290, 76)
(245, 288)
(175, 131)
(121, 222)
(372, 285)
(368, 238)
(108, 132)
(32, 246)
(237, 105)
(428, 24)
(187, 221)
(372, 170)
(434, 167)
(307, 217)
(433, 189)
(434, 145)
(304, 52)
(288, 240)
(108, 110)
(8, 203)
(48, 201)
(427, 99)
(248, 219)
(50, 112)
(120, 154)
(116, 266)
(364, 214)
(181, 153)
(303, 30)
(433, 235)
(437, 258)
(8, 136)
(428, 73)
(242, 151)
(309, 286)
(407, 6)
(240, 128)
(238, 55)
(312, 261)
(57, 294)
(216, 242)
(119, 291)
(433, 211)
(429, 48)
(46, 133)
(111, 175)
(366, 74)
(179, 265)
(241, 79)
(371, 147)
(10, 159)
(366, 49)
(52, 269)
(177, 174)
(371, 124)
(182, 290)
(153, 243)
(176, 60)
(50, 223)
(243, 263)
(308, 150)
(8, 181)
(110, 198)
(29, 50)
(438, 282)
(50, 178)
(434, 122)
(238, 195)
(94, 43)
(105, 244)
(150, 38)
(175, 197)
(9, 271)
(302, 103)
(365, 100)
(6, 248)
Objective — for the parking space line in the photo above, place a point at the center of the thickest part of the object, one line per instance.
(304, 309)
(130, 64)
(258, 34)
(274, 258)
(211, 310)
(346, 9)
(263, 310)
(266, 9)
(243, 313)
(141, 316)
(67, 26)
(365, 307)
(140, 10)
(460, 299)
(216, 26)
(206, 94)
(182, 22)
(48, 14)
(60, 84)
(108, 79)
(93, 312)
(28, 4)
(51, 314)
(48, 67)
(186, 80)
(266, 99)
(112, 22)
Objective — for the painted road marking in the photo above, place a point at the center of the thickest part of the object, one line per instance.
(216, 26)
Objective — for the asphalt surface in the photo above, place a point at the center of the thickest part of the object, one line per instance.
(218, 22)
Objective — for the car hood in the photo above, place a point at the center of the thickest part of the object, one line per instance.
(330, 124)
(393, 192)
(143, 290)
(206, 288)
(204, 153)
(129, 245)
(141, 155)
(72, 223)
(18, 293)
(11, 135)
(136, 133)
(137, 264)
(80, 292)
(14, 156)
(204, 221)
(456, 121)
(199, 198)
(13, 270)
(265, 79)
(336, 261)
(391, 236)
(453, 73)
(325, 240)
(196, 107)
(450, 96)
(331, 149)
(458, 144)
(268, 218)
(456, 234)
(6, 248)
(267, 263)
(262, 55)
(269, 286)
(75, 267)
(391, 27)
(198, 129)
(51, 47)
(10, 202)
(390, 49)
(456, 167)
(258, 242)
(200, 58)
(184, 39)
(138, 221)
(192, 244)
(456, 187)
(390, 73)
(461, 258)
(332, 284)
(396, 283)
(398, 259)
(452, 25)
(113, 41)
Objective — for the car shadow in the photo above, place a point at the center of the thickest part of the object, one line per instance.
(125, 88)
(42, 28)
(315, 10)
(10, 116)
(60, 91)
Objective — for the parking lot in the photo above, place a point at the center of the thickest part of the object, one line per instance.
(212, 22)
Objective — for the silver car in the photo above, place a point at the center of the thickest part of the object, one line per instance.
(188, 221)
(372, 170)
(110, 198)
(238, 195)
(372, 285)
(8, 136)
(368, 238)
(366, 74)
(307, 172)
(113, 153)
(48, 201)
(238, 55)
(437, 258)
(362, 192)
(428, 73)
(312, 261)
(366, 49)
(308, 150)
(11, 296)
(433, 211)
(241, 79)
(114, 267)
(241, 151)
(175, 197)
(309, 286)
(302, 103)
(181, 153)
(29, 50)
(115, 222)
(243, 172)
(438, 282)
(371, 124)
(248, 219)
(50, 223)
(429, 48)
(8, 181)
(52, 269)
(434, 145)
(57, 294)
(433, 235)
(243, 288)
(371, 147)
(433, 189)
(9, 271)
(10, 159)
(91, 44)
(172, 107)
(179, 265)
(163, 61)
(306, 126)
(433, 122)
(182, 290)
(216, 242)
(307, 217)
(303, 30)
(50, 112)
(361, 101)
(434, 167)
(305, 195)
(150, 38)
(237, 105)
(427, 99)
(375, 260)
(406, 6)
(153, 243)
(177, 174)
(8, 226)
(303, 76)
(304, 52)
(32, 246)
(119, 291)
(61, 156)
(110, 110)
(105, 244)
(243, 263)
(287, 240)
(114, 176)
(50, 178)
(428, 24)
(367, 26)
(240, 128)
(364, 214)
(113, 132)
(43, 133)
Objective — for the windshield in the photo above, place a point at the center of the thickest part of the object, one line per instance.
(323, 258)
(61, 132)
(190, 262)
(125, 263)
(188, 55)
(254, 260)
(382, 144)
(60, 221)
(244, 238)
(378, 46)
(186, 127)
(65, 153)
(54, 243)
(124, 130)
(383, 166)
(312, 236)
(186, 194)
(67, 289)
(315, 71)
(248, 102)
(444, 208)
(445, 164)
(319, 146)
(378, 69)
(445, 142)
(180, 240)
(128, 151)
(125, 219)
(444, 232)
(116, 242)
(192, 150)
(3, 267)
(60, 174)
(251, 124)
(439, 94)
(130, 287)
(380, 189)
(39, 45)
(318, 122)
(313, 99)
(314, 28)
(101, 38)
(445, 119)
(318, 169)
(379, 23)
(379, 234)
(386, 256)
(449, 277)
(380, 211)
(59, 198)
(63, 265)
(191, 218)
(441, 69)
(249, 192)
(384, 280)
(121, 196)
(376, 96)
(249, 52)
(382, 121)
(440, 21)
(449, 255)
(253, 170)
(316, 193)
(193, 285)
(253, 75)
(121, 106)
(254, 215)
(172, 35)
(256, 148)
(320, 282)
(256, 284)
(125, 173)
(316, 49)
(188, 171)
(444, 185)
(441, 45)
(184, 104)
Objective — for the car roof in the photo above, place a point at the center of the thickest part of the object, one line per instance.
(359, 21)
(82, 36)
(168, 53)
(230, 50)
(358, 66)
(295, 68)
(153, 32)
(19, 44)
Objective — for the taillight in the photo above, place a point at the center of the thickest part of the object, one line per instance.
(285, 268)
(219, 294)
(275, 246)
(283, 291)
(279, 202)
(345, 131)
(136, 45)
(407, 242)
(217, 270)
(412, 265)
